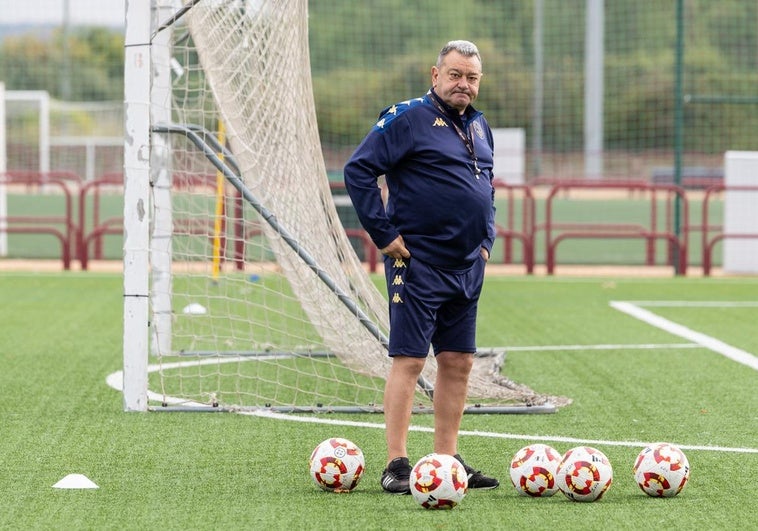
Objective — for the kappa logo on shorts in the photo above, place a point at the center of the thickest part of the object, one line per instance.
(397, 281)
(439, 122)
(396, 299)
(399, 262)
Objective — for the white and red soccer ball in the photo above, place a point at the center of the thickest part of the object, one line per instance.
(438, 481)
(584, 474)
(661, 470)
(533, 470)
(337, 464)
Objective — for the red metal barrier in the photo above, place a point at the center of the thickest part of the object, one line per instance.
(242, 229)
(708, 241)
(62, 227)
(522, 231)
(607, 230)
(35, 179)
(83, 238)
(113, 225)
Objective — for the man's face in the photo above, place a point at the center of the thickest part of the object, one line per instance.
(457, 79)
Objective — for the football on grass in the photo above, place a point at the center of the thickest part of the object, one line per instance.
(584, 474)
(337, 464)
(533, 470)
(438, 481)
(661, 470)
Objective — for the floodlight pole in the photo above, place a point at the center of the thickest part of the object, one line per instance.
(593, 89)
(539, 82)
(678, 123)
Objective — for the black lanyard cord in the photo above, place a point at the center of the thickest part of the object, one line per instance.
(466, 139)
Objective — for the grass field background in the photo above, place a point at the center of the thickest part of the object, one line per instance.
(630, 383)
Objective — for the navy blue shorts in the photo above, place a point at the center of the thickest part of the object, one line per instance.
(432, 306)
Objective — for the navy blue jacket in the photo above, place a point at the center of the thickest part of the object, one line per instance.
(439, 204)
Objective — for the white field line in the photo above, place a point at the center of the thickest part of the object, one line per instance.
(496, 435)
(115, 380)
(560, 348)
(696, 304)
(709, 342)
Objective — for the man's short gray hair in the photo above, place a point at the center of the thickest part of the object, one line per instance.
(465, 48)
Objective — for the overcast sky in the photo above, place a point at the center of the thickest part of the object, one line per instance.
(86, 12)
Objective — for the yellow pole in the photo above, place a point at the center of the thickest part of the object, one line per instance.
(218, 220)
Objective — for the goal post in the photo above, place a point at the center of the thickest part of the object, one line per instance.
(271, 307)
(138, 71)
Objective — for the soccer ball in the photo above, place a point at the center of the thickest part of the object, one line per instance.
(337, 465)
(661, 470)
(584, 474)
(438, 481)
(533, 470)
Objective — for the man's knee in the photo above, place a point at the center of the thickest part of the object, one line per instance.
(408, 365)
(455, 362)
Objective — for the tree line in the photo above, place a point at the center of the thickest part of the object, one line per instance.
(366, 55)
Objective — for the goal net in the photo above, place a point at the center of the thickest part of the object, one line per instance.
(257, 297)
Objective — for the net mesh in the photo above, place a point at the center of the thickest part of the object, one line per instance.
(268, 64)
(254, 324)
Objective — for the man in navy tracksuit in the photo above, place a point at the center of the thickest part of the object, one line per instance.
(436, 233)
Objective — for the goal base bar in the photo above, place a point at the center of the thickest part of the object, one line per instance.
(470, 410)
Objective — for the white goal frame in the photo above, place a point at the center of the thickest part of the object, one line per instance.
(138, 75)
(335, 293)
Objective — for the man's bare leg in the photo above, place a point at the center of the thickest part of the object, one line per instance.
(450, 393)
(398, 402)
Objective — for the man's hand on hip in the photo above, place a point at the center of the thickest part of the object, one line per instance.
(396, 249)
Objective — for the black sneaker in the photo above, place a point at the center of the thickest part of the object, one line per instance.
(396, 477)
(477, 480)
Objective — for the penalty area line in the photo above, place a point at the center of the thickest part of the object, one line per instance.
(696, 304)
(496, 435)
(709, 342)
(115, 381)
(560, 348)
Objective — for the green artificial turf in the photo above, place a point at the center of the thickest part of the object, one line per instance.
(62, 336)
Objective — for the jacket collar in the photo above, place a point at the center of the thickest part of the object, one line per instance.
(467, 115)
